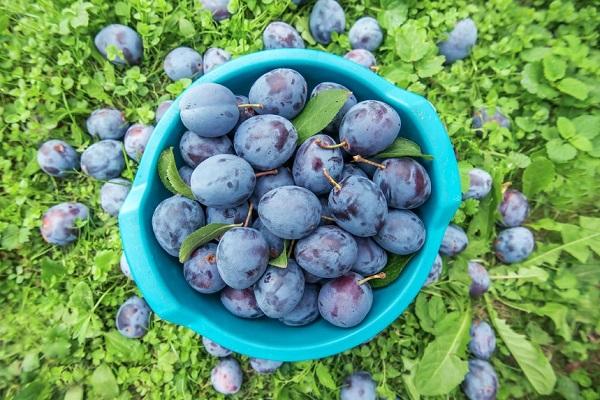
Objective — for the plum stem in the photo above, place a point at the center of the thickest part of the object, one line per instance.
(364, 160)
(343, 144)
(336, 185)
(269, 172)
(326, 218)
(374, 68)
(380, 275)
(291, 248)
(249, 216)
(250, 105)
(506, 186)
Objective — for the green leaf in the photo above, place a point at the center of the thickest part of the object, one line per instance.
(281, 261)
(74, 393)
(573, 87)
(394, 267)
(319, 112)
(51, 269)
(169, 175)
(430, 66)
(81, 297)
(34, 391)
(441, 369)
(534, 274)
(587, 125)
(394, 16)
(186, 28)
(538, 176)
(411, 42)
(530, 358)
(202, 236)
(565, 127)
(560, 151)
(122, 348)
(104, 383)
(324, 376)
(554, 67)
(403, 148)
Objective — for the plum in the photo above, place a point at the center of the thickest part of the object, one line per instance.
(362, 57)
(359, 386)
(307, 310)
(227, 215)
(455, 241)
(136, 139)
(218, 8)
(350, 169)
(200, 270)
(162, 109)
(241, 302)
(263, 366)
(226, 377)
(483, 340)
(242, 257)
(480, 184)
(480, 280)
(265, 183)
(186, 174)
(214, 57)
(183, 62)
(107, 123)
(279, 290)
(326, 17)
(275, 242)
(57, 158)
(279, 35)
(481, 117)
(195, 148)
(281, 91)
(344, 301)
(209, 109)
(404, 182)
(371, 258)
(435, 272)
(103, 160)
(214, 348)
(124, 39)
(513, 208)
(460, 41)
(59, 223)
(481, 382)
(312, 159)
(113, 194)
(514, 245)
(133, 318)
(365, 34)
(402, 233)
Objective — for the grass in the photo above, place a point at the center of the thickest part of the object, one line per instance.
(536, 60)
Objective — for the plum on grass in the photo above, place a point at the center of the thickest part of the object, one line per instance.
(183, 62)
(311, 158)
(265, 141)
(136, 139)
(214, 348)
(125, 39)
(307, 310)
(59, 222)
(402, 233)
(481, 382)
(214, 57)
(369, 128)
(359, 386)
(209, 109)
(186, 174)
(281, 91)
(242, 257)
(107, 123)
(223, 180)
(133, 318)
(328, 252)
(481, 117)
(404, 182)
(103, 160)
(460, 41)
(279, 35)
(162, 109)
(173, 220)
(113, 194)
(483, 340)
(264, 366)
(513, 208)
(290, 212)
(514, 245)
(200, 270)
(326, 17)
(124, 265)
(371, 258)
(275, 242)
(57, 158)
(265, 183)
(358, 206)
(455, 241)
(362, 57)
(345, 301)
(350, 169)
(279, 290)
(480, 279)
(365, 34)
(227, 215)
(195, 148)
(435, 272)
(218, 8)
(480, 184)
(226, 377)
(350, 102)
(241, 302)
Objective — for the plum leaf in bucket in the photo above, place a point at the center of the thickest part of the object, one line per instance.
(281, 261)
(202, 236)
(394, 267)
(403, 148)
(169, 175)
(319, 112)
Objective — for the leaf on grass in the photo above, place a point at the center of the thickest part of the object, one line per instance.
(554, 67)
(324, 376)
(104, 383)
(169, 175)
(403, 148)
(281, 261)
(537, 176)
(122, 348)
(319, 112)
(33, 391)
(549, 253)
(51, 269)
(573, 87)
(535, 274)
(411, 42)
(441, 369)
(530, 358)
(200, 237)
(394, 267)
(560, 151)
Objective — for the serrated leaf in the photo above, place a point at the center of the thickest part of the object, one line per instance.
(411, 42)
(394, 267)
(440, 370)
(169, 175)
(533, 274)
(537, 176)
(202, 236)
(319, 112)
(573, 87)
(403, 147)
(281, 261)
(324, 376)
(530, 358)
